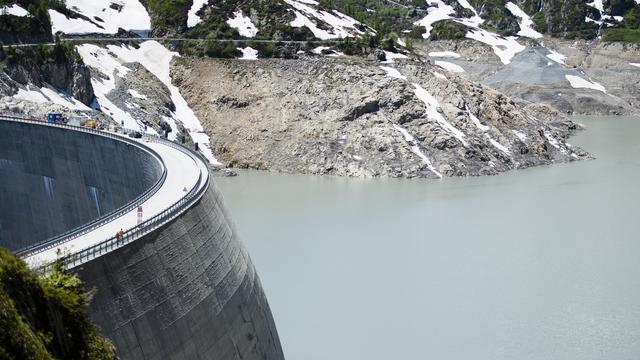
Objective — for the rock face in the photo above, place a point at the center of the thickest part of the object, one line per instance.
(145, 98)
(58, 67)
(343, 117)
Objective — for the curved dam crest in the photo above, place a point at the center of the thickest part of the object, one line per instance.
(187, 290)
(51, 182)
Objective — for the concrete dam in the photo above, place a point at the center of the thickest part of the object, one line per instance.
(178, 284)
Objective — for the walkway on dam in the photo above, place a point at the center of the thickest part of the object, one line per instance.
(183, 172)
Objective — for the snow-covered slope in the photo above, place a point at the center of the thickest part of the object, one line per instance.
(101, 17)
(109, 64)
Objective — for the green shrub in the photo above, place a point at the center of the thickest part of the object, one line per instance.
(448, 30)
(44, 318)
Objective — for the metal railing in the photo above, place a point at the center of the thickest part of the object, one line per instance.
(81, 256)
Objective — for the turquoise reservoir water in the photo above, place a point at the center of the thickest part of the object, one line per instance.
(542, 263)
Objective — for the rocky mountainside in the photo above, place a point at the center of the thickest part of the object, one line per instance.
(576, 77)
(341, 105)
(59, 66)
(358, 118)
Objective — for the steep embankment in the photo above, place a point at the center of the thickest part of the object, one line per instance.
(44, 318)
(356, 118)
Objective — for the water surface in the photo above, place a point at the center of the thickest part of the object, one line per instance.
(542, 263)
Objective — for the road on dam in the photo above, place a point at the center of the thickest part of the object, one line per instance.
(183, 172)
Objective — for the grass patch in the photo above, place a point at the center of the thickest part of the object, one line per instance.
(622, 34)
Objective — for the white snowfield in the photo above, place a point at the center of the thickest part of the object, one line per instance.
(557, 57)
(136, 94)
(433, 113)
(248, 53)
(439, 75)
(450, 67)
(394, 73)
(416, 149)
(16, 10)
(45, 95)
(522, 136)
(192, 18)
(485, 129)
(340, 25)
(440, 11)
(128, 14)
(182, 171)
(580, 83)
(155, 58)
(445, 54)
(505, 47)
(243, 24)
(526, 24)
(391, 56)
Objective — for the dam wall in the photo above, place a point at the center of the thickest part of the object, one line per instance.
(179, 288)
(186, 291)
(53, 180)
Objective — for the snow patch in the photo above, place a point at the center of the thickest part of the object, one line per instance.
(392, 56)
(155, 58)
(526, 23)
(449, 66)
(476, 121)
(522, 136)
(580, 83)
(433, 113)
(416, 149)
(505, 48)
(130, 15)
(243, 24)
(46, 95)
(16, 10)
(553, 141)
(597, 4)
(440, 11)
(557, 57)
(136, 94)
(498, 146)
(60, 22)
(449, 54)
(393, 73)
(192, 18)
(31, 95)
(439, 75)
(341, 25)
(320, 49)
(249, 53)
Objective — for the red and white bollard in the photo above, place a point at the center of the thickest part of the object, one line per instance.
(139, 214)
